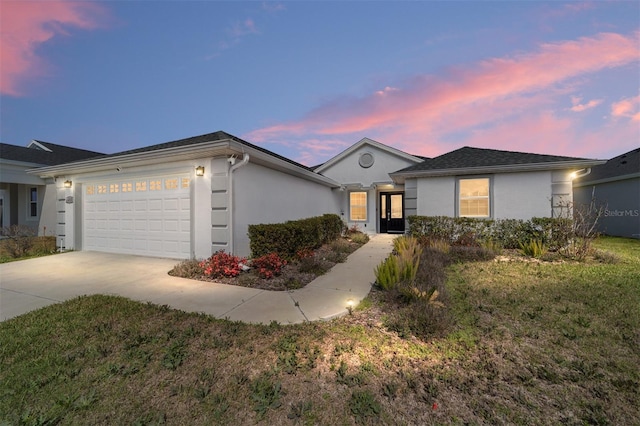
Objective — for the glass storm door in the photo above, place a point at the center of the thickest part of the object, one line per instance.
(391, 212)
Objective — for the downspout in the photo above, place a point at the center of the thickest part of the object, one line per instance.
(580, 173)
(233, 168)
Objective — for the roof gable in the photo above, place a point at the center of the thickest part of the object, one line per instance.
(194, 140)
(44, 153)
(209, 145)
(364, 142)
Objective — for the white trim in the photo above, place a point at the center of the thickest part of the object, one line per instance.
(30, 203)
(38, 146)
(399, 177)
(489, 196)
(197, 151)
(366, 206)
(605, 180)
(372, 143)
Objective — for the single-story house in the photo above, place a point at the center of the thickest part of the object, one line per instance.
(191, 197)
(24, 199)
(614, 189)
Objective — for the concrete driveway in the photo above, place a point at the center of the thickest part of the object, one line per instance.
(31, 284)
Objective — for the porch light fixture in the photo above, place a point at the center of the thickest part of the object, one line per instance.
(350, 304)
(67, 184)
(200, 171)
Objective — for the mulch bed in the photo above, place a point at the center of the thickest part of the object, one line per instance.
(291, 277)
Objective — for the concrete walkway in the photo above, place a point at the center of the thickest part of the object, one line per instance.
(34, 283)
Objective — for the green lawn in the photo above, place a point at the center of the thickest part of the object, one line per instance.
(531, 343)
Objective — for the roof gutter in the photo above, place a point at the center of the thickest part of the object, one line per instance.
(399, 177)
(181, 153)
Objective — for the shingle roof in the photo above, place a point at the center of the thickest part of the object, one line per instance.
(622, 165)
(58, 154)
(468, 157)
(209, 137)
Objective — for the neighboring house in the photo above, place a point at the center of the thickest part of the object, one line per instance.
(191, 197)
(24, 199)
(614, 187)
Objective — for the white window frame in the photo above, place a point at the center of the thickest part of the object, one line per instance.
(31, 203)
(351, 206)
(489, 197)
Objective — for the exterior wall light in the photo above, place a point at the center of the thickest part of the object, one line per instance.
(67, 184)
(200, 171)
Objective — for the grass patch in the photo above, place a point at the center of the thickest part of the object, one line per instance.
(527, 343)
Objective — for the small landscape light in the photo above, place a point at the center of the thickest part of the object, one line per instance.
(350, 304)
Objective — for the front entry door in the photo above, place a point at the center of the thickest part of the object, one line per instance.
(392, 212)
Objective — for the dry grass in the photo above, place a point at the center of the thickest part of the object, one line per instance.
(12, 249)
(530, 343)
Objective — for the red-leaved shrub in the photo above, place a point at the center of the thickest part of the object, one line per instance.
(269, 265)
(304, 253)
(222, 264)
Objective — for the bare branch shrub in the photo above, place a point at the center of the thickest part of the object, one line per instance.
(584, 227)
(18, 240)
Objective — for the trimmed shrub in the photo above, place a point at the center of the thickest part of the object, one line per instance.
(288, 238)
(554, 233)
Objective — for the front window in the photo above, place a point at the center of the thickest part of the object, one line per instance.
(33, 202)
(358, 206)
(474, 197)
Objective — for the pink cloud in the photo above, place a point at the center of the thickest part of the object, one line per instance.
(432, 110)
(629, 107)
(26, 25)
(579, 107)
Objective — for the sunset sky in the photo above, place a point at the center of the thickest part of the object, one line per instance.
(308, 79)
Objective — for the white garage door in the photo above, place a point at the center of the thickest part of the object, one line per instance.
(143, 216)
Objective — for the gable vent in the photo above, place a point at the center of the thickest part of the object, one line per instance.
(366, 160)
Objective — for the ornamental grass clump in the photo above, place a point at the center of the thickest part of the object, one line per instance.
(409, 251)
(387, 273)
(402, 265)
(533, 248)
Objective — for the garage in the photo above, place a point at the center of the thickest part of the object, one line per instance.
(148, 216)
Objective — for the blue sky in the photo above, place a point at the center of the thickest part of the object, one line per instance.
(308, 79)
